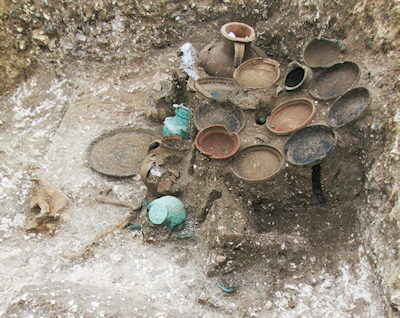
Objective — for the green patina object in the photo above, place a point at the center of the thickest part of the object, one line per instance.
(48, 29)
(167, 211)
(179, 124)
(229, 289)
(44, 4)
(135, 227)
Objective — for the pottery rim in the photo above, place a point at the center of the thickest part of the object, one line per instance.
(221, 129)
(251, 148)
(303, 101)
(241, 27)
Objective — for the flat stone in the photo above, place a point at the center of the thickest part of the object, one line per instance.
(67, 47)
(81, 37)
(44, 4)
(40, 38)
(22, 45)
(103, 42)
(80, 53)
(268, 305)
(46, 16)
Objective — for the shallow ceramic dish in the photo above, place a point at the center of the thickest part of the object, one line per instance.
(222, 113)
(291, 116)
(349, 107)
(310, 145)
(217, 142)
(219, 88)
(334, 81)
(257, 163)
(120, 152)
(321, 52)
(259, 72)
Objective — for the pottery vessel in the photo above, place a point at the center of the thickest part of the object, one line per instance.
(217, 142)
(163, 152)
(179, 124)
(335, 80)
(322, 52)
(257, 163)
(291, 116)
(310, 145)
(297, 75)
(222, 58)
(259, 72)
(167, 211)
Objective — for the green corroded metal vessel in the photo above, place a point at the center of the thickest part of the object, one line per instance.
(179, 124)
(167, 211)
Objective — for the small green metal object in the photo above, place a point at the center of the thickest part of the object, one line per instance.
(144, 203)
(167, 211)
(44, 4)
(180, 227)
(229, 289)
(135, 227)
(179, 124)
(186, 235)
(48, 29)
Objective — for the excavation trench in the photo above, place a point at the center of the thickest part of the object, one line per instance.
(301, 236)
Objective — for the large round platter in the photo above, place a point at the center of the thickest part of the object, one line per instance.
(120, 152)
(291, 116)
(349, 107)
(310, 145)
(259, 72)
(335, 80)
(219, 88)
(257, 163)
(225, 113)
(321, 52)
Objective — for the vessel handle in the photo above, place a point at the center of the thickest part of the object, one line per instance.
(262, 136)
(155, 144)
(239, 53)
(145, 170)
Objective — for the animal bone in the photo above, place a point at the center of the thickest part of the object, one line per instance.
(49, 201)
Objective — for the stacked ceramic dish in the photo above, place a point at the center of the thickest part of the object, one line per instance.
(309, 145)
(321, 75)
